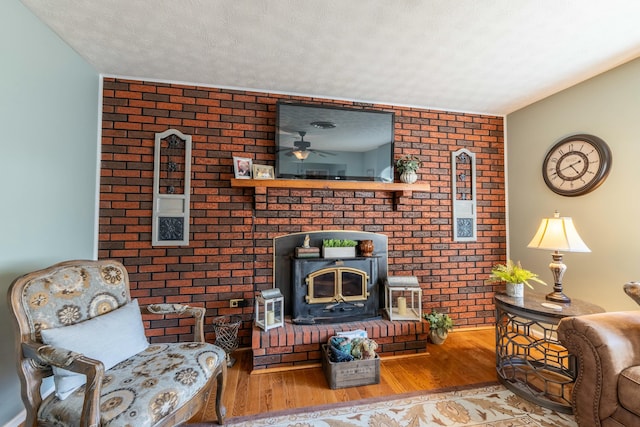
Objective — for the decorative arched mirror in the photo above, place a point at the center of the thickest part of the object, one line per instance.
(463, 190)
(171, 188)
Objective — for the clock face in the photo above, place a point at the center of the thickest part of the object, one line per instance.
(576, 165)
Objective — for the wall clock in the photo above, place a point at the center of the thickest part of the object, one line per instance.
(576, 165)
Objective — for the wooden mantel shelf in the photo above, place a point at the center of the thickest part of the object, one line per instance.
(399, 189)
(330, 185)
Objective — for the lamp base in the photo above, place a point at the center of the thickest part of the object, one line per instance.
(558, 296)
(557, 269)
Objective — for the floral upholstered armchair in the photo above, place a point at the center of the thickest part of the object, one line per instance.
(76, 321)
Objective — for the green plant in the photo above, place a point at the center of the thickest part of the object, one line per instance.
(513, 273)
(339, 243)
(408, 163)
(440, 322)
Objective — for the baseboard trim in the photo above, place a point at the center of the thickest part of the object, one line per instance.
(18, 420)
(285, 368)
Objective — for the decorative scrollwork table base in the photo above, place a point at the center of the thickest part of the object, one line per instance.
(530, 361)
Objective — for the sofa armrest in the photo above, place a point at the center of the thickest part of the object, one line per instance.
(633, 290)
(605, 344)
(197, 313)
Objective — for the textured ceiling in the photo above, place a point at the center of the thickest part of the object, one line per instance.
(485, 56)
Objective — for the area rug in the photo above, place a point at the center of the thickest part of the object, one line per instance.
(488, 405)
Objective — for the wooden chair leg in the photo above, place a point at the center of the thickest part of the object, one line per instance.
(221, 411)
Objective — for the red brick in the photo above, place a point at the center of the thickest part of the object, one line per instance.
(223, 217)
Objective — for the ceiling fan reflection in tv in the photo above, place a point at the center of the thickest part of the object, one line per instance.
(301, 149)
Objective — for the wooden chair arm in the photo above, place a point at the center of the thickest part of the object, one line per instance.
(75, 362)
(197, 313)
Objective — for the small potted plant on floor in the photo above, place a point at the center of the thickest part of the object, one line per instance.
(407, 167)
(439, 326)
(515, 277)
(339, 248)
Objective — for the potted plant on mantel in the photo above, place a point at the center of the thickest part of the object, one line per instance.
(515, 277)
(407, 167)
(439, 326)
(339, 248)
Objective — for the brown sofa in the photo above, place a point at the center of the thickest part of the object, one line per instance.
(607, 347)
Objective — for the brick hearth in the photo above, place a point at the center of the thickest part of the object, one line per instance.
(295, 345)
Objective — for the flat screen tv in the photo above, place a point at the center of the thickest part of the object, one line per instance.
(333, 143)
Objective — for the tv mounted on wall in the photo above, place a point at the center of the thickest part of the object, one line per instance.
(333, 143)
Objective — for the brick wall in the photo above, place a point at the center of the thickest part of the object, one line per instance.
(230, 254)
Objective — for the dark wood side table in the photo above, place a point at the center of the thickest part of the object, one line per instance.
(530, 361)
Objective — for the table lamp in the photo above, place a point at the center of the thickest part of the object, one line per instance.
(558, 234)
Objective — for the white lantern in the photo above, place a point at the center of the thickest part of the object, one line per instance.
(403, 298)
(269, 310)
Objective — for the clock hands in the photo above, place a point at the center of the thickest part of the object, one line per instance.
(572, 166)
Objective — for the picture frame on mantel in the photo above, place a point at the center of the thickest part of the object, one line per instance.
(263, 172)
(242, 167)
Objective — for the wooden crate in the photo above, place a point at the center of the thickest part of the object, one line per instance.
(350, 374)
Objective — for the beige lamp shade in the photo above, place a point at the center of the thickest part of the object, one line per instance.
(558, 234)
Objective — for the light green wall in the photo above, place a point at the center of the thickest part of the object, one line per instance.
(607, 219)
(49, 100)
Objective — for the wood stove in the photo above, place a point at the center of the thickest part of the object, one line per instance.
(327, 290)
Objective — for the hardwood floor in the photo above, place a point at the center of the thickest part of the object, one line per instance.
(467, 357)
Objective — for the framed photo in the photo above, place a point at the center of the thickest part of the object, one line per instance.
(263, 172)
(242, 167)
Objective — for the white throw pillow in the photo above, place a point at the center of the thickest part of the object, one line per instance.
(109, 338)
